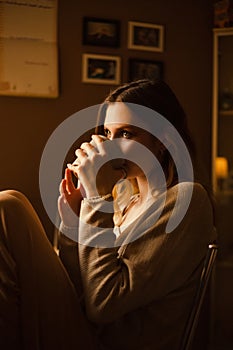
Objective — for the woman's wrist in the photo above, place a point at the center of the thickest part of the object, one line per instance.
(96, 199)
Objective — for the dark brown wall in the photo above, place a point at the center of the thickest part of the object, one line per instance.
(26, 123)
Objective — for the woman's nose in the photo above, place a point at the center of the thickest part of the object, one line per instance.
(112, 137)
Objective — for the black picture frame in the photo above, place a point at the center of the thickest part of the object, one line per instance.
(101, 32)
(145, 69)
(145, 36)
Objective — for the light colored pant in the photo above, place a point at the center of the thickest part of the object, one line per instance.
(39, 305)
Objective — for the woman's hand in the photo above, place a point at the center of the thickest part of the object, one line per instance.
(97, 171)
(69, 201)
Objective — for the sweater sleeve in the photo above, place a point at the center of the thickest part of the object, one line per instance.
(118, 280)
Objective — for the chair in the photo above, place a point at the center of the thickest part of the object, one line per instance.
(198, 301)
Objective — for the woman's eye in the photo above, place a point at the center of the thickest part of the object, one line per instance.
(126, 134)
(107, 133)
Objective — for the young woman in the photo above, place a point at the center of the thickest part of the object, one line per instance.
(129, 280)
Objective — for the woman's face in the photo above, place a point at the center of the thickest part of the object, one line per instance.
(120, 122)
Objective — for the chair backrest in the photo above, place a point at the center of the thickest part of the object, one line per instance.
(195, 312)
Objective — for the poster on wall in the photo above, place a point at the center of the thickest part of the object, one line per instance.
(28, 48)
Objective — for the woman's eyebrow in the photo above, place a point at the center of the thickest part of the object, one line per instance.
(121, 126)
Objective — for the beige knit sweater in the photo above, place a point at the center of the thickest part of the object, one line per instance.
(138, 294)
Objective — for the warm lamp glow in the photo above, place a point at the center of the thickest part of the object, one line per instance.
(221, 167)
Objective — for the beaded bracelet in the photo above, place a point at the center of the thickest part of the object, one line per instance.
(99, 198)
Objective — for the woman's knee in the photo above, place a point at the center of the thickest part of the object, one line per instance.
(17, 214)
(12, 199)
(6, 194)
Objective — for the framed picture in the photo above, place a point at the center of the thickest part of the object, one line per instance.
(145, 36)
(145, 69)
(101, 69)
(101, 32)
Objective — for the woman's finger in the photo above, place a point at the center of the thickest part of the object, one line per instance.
(61, 187)
(69, 181)
(98, 139)
(81, 154)
(73, 168)
(88, 148)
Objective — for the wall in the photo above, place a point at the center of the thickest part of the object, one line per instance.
(26, 123)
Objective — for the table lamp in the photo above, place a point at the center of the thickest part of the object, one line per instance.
(221, 171)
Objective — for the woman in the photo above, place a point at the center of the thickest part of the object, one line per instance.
(133, 275)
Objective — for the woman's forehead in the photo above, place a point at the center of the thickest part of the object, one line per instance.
(119, 113)
(133, 114)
